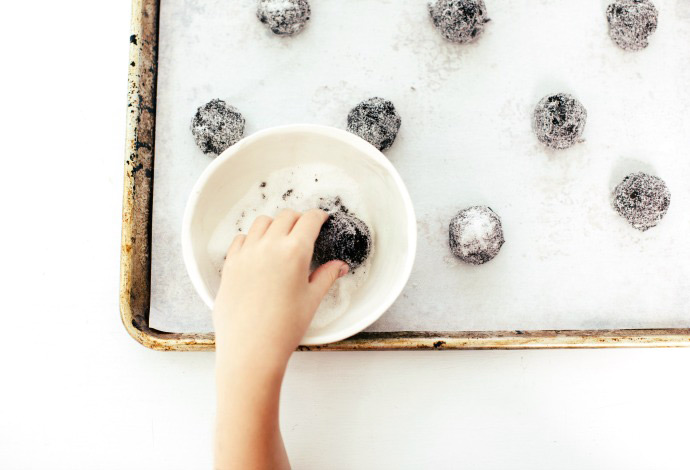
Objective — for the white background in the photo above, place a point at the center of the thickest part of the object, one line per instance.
(77, 393)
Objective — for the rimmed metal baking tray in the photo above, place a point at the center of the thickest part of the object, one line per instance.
(135, 260)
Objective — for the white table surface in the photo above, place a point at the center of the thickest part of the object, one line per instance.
(78, 393)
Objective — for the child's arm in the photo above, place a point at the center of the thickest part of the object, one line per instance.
(265, 304)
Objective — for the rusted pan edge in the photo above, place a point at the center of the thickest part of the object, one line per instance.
(544, 339)
(128, 242)
(409, 340)
(135, 263)
(140, 126)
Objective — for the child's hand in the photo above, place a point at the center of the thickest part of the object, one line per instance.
(267, 297)
(265, 303)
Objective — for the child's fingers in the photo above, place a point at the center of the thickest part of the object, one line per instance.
(309, 225)
(236, 244)
(325, 275)
(284, 222)
(259, 227)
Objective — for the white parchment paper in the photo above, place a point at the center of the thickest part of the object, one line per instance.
(569, 262)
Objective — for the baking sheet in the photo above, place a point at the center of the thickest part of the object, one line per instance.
(569, 262)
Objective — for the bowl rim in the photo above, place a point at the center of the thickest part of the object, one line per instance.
(331, 132)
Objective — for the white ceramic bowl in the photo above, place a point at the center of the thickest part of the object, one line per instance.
(244, 164)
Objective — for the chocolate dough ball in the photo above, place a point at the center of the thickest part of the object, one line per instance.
(631, 22)
(460, 21)
(376, 121)
(475, 235)
(284, 17)
(642, 200)
(558, 120)
(216, 126)
(343, 237)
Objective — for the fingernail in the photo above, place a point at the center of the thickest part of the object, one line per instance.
(343, 270)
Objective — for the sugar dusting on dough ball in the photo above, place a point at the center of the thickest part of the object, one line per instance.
(459, 21)
(284, 17)
(559, 120)
(631, 22)
(343, 237)
(376, 121)
(216, 126)
(476, 235)
(642, 200)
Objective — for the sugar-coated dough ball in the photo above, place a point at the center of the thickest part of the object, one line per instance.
(631, 22)
(558, 120)
(460, 21)
(284, 17)
(216, 126)
(376, 121)
(642, 200)
(344, 237)
(476, 235)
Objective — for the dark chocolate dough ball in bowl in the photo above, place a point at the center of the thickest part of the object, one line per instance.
(343, 237)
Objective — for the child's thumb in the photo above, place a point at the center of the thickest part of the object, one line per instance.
(325, 276)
